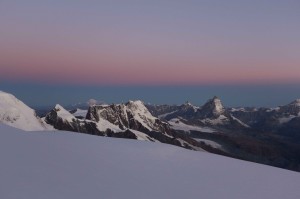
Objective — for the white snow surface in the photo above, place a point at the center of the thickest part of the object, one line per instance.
(15, 113)
(237, 109)
(240, 122)
(80, 113)
(191, 105)
(64, 165)
(103, 125)
(63, 113)
(209, 142)
(219, 106)
(141, 114)
(178, 125)
(286, 119)
(143, 136)
(222, 119)
(273, 109)
(165, 115)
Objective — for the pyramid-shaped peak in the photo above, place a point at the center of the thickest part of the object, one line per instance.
(215, 106)
(215, 98)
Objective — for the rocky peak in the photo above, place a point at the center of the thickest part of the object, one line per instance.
(292, 108)
(136, 105)
(62, 112)
(213, 107)
(187, 103)
(295, 103)
(133, 115)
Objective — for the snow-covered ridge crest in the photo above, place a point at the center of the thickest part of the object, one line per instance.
(62, 119)
(15, 113)
(139, 109)
(63, 113)
(133, 115)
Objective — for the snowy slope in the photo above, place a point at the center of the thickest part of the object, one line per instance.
(80, 113)
(15, 113)
(64, 165)
(179, 125)
(141, 114)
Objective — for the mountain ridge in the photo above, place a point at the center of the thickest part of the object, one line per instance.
(264, 135)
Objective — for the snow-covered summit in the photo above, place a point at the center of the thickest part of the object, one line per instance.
(139, 110)
(15, 113)
(62, 112)
(136, 105)
(133, 115)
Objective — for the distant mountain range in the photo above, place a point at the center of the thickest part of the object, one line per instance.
(264, 135)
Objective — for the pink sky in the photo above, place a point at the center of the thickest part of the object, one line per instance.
(150, 44)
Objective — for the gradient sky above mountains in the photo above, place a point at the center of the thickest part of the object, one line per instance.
(160, 51)
(155, 42)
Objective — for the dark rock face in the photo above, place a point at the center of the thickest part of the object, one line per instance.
(282, 120)
(291, 109)
(213, 108)
(75, 124)
(125, 134)
(263, 135)
(128, 117)
(124, 116)
(206, 115)
(186, 110)
(157, 110)
(113, 113)
(279, 120)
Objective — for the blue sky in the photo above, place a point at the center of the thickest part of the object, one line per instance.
(35, 94)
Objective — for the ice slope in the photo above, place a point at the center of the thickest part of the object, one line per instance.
(141, 113)
(65, 165)
(15, 113)
(179, 125)
(80, 113)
